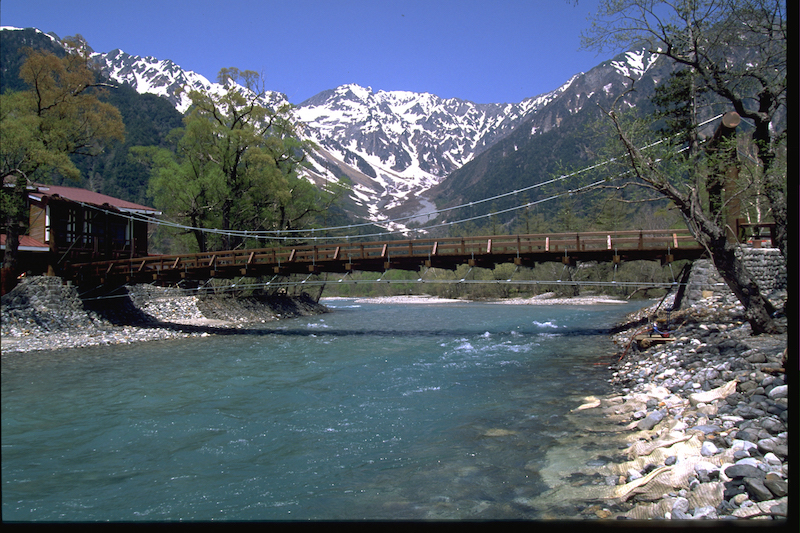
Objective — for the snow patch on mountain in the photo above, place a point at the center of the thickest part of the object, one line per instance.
(636, 63)
(52, 36)
(405, 142)
(392, 146)
(164, 78)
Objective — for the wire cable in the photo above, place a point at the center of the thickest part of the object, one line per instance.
(292, 234)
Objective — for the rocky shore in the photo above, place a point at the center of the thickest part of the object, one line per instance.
(696, 428)
(42, 313)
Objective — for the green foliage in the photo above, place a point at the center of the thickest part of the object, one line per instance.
(147, 119)
(60, 115)
(234, 166)
(505, 280)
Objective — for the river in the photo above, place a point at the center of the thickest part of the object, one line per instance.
(373, 411)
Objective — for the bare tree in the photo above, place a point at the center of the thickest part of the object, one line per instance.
(706, 37)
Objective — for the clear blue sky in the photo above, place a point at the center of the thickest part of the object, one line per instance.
(486, 51)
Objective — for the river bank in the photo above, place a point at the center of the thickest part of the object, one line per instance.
(41, 313)
(695, 428)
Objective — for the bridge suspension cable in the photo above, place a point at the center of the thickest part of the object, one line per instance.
(291, 234)
(462, 281)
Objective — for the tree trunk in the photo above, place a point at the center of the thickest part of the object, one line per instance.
(757, 309)
(777, 200)
(15, 220)
(226, 224)
(12, 245)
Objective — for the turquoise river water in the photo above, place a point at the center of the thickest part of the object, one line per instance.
(373, 411)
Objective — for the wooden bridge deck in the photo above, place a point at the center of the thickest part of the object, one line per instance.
(379, 256)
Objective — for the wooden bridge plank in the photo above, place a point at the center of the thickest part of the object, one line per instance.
(410, 254)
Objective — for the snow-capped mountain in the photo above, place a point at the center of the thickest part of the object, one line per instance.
(163, 78)
(557, 135)
(394, 147)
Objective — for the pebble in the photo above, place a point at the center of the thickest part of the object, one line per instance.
(713, 384)
(708, 449)
(42, 313)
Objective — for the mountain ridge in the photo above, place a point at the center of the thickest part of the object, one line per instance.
(396, 149)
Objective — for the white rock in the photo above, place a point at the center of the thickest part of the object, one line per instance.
(705, 466)
(749, 461)
(772, 459)
(781, 391)
(739, 499)
(680, 504)
(705, 512)
(708, 449)
(745, 445)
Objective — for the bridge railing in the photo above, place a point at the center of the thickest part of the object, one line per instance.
(347, 252)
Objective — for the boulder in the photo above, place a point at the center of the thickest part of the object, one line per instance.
(650, 421)
(744, 471)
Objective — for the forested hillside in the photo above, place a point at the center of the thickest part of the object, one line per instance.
(147, 118)
(568, 138)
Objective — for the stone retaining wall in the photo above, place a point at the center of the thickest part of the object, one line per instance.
(47, 304)
(42, 305)
(767, 265)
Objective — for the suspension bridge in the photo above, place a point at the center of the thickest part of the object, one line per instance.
(377, 253)
(383, 255)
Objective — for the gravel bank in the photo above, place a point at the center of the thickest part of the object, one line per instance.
(696, 429)
(547, 298)
(42, 313)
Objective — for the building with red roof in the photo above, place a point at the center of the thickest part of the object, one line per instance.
(73, 225)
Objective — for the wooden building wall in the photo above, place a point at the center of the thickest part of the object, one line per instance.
(81, 234)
